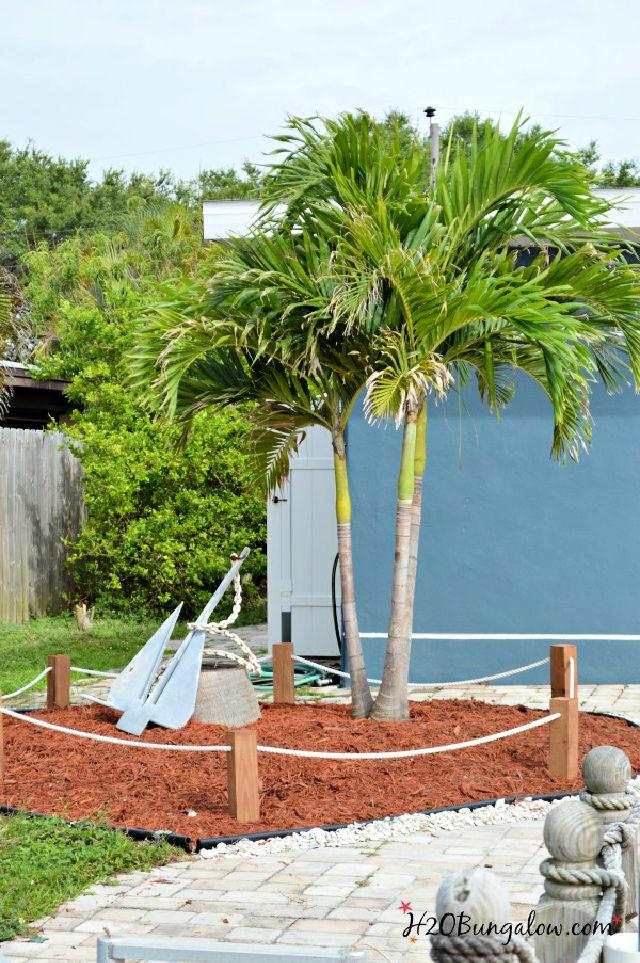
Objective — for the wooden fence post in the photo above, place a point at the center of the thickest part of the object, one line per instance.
(242, 775)
(563, 732)
(573, 836)
(58, 681)
(282, 662)
(607, 771)
(564, 679)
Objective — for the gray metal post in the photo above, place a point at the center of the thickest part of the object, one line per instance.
(434, 142)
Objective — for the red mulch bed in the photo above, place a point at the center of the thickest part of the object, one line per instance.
(57, 774)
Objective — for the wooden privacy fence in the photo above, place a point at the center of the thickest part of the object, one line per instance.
(40, 506)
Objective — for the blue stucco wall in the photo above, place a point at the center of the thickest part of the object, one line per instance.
(511, 541)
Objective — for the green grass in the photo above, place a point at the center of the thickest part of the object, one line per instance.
(45, 862)
(110, 644)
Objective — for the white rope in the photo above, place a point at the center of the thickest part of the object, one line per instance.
(29, 685)
(249, 663)
(572, 677)
(112, 740)
(427, 685)
(277, 750)
(406, 753)
(102, 675)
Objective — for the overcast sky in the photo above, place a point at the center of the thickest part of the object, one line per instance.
(144, 84)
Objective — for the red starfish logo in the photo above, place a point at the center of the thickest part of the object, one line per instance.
(405, 907)
(616, 920)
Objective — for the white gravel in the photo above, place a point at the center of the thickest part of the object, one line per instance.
(397, 827)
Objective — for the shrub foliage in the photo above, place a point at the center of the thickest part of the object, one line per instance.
(161, 517)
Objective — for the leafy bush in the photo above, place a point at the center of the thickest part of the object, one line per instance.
(161, 520)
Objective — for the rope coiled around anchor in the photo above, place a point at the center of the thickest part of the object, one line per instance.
(249, 663)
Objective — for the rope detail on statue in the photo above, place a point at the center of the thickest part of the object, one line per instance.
(461, 949)
(606, 803)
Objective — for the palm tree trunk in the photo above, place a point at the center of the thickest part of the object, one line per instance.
(392, 701)
(361, 701)
(420, 463)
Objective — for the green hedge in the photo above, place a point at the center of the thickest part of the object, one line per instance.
(161, 519)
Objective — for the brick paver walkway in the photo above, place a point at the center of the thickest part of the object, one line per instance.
(325, 897)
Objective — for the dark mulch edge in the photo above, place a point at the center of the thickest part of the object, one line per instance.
(188, 845)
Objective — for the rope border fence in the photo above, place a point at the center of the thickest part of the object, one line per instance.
(112, 740)
(242, 747)
(407, 753)
(282, 750)
(29, 685)
(426, 685)
(96, 672)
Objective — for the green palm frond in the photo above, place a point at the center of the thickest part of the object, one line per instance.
(515, 185)
(361, 274)
(402, 378)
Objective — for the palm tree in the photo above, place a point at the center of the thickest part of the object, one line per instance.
(435, 279)
(362, 275)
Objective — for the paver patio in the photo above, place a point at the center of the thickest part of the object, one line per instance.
(323, 897)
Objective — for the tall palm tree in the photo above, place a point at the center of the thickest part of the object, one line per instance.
(361, 275)
(435, 279)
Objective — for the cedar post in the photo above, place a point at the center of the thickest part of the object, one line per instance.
(242, 775)
(563, 732)
(560, 657)
(282, 662)
(58, 681)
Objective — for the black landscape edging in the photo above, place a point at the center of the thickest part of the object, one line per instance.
(139, 835)
(207, 843)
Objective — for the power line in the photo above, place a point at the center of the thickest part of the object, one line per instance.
(456, 109)
(166, 150)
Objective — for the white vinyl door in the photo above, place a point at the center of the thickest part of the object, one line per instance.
(302, 544)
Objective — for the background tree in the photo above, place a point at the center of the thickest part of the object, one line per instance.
(44, 199)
